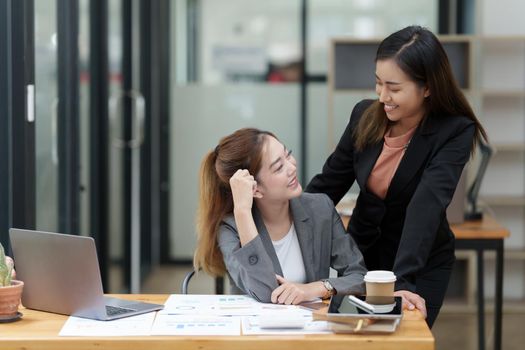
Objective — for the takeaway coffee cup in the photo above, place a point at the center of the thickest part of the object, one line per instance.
(380, 283)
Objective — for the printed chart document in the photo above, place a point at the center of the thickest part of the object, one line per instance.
(139, 325)
(219, 305)
(216, 314)
(196, 325)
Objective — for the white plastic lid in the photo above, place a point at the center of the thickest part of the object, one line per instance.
(380, 276)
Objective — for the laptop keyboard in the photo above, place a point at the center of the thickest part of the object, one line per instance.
(115, 310)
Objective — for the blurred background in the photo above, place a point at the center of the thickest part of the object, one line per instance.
(129, 95)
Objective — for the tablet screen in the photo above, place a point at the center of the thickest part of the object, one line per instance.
(386, 307)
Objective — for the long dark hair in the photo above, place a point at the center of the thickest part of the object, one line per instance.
(420, 55)
(240, 150)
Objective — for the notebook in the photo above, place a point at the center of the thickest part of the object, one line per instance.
(61, 275)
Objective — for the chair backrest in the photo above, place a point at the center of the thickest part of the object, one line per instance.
(186, 281)
(219, 283)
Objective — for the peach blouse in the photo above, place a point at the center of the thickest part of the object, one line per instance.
(388, 161)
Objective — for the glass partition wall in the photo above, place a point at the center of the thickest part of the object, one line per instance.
(238, 63)
(46, 102)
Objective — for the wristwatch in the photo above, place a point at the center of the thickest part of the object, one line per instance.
(330, 290)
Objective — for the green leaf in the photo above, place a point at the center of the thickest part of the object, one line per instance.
(5, 271)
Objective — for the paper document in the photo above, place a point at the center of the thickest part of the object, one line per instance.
(139, 325)
(166, 324)
(219, 305)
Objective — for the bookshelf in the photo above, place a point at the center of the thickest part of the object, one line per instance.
(501, 72)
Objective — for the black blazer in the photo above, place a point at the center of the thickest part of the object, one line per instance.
(407, 232)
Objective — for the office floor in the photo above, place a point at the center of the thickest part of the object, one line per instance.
(452, 330)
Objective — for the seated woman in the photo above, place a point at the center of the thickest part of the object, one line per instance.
(281, 249)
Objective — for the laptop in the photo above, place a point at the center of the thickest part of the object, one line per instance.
(61, 275)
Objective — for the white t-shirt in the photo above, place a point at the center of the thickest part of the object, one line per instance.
(290, 257)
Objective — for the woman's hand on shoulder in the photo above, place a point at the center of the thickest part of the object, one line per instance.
(412, 301)
(290, 293)
(243, 186)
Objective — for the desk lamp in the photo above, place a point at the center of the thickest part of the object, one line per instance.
(472, 194)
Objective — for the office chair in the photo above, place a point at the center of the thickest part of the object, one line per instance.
(219, 283)
(186, 281)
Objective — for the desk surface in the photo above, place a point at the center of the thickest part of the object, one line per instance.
(486, 228)
(39, 330)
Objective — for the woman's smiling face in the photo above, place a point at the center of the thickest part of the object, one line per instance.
(277, 179)
(403, 98)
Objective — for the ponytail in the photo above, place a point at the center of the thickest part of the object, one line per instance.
(215, 202)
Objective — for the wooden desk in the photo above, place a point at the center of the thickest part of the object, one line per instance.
(39, 330)
(485, 234)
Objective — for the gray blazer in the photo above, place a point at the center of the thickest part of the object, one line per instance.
(323, 241)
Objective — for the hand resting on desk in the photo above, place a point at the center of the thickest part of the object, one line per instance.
(295, 293)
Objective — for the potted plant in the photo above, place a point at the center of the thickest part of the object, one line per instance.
(10, 289)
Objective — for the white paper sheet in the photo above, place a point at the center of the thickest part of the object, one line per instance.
(221, 305)
(139, 325)
(166, 324)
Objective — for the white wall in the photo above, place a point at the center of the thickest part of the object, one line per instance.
(502, 17)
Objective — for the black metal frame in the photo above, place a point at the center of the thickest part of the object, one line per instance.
(147, 88)
(154, 82)
(127, 132)
(18, 151)
(155, 85)
(98, 132)
(456, 24)
(23, 132)
(162, 132)
(68, 117)
(443, 16)
(480, 246)
(5, 100)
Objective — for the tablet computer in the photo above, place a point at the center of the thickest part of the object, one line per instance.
(349, 307)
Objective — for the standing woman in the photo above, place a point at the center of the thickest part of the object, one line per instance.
(406, 150)
(276, 243)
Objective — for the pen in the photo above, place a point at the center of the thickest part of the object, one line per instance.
(361, 304)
